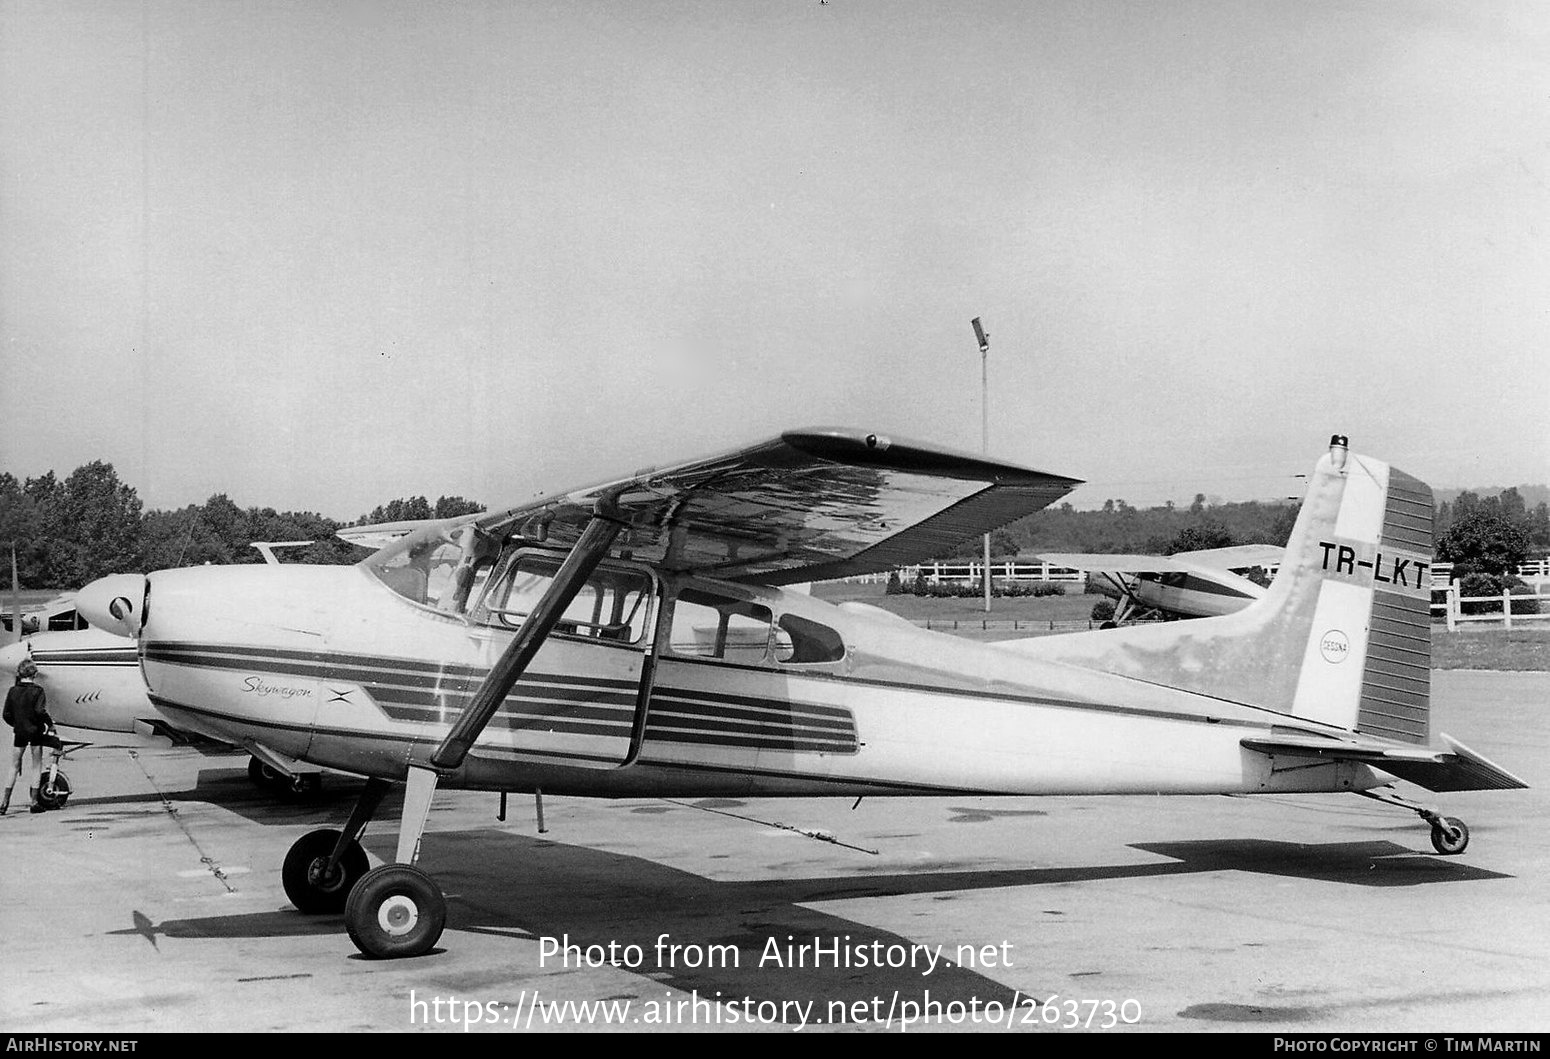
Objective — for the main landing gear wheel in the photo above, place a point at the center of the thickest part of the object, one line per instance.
(261, 774)
(54, 794)
(306, 878)
(395, 910)
(1449, 835)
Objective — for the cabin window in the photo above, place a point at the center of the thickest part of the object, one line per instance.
(802, 641)
(610, 606)
(709, 625)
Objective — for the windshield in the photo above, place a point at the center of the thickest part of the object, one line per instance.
(440, 566)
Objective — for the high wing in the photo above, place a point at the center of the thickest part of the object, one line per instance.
(1236, 557)
(809, 505)
(1209, 560)
(1118, 563)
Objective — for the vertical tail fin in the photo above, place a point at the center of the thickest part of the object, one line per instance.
(1364, 556)
(1343, 636)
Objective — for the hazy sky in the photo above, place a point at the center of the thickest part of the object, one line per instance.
(319, 255)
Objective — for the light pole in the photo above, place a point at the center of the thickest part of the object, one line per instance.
(984, 341)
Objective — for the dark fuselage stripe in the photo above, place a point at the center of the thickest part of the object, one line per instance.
(1271, 718)
(563, 757)
(577, 711)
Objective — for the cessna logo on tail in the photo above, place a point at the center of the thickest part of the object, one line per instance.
(1335, 646)
(1377, 566)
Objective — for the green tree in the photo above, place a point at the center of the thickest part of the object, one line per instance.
(451, 506)
(165, 536)
(228, 531)
(1482, 540)
(400, 510)
(1200, 537)
(1539, 525)
(92, 525)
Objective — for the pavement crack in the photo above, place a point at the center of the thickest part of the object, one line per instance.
(172, 810)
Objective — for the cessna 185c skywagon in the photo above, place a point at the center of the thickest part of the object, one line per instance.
(633, 639)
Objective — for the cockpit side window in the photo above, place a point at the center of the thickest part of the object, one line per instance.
(612, 605)
(710, 625)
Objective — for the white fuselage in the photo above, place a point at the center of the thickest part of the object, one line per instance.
(1194, 596)
(90, 677)
(331, 666)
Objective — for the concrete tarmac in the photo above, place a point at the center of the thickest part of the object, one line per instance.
(153, 902)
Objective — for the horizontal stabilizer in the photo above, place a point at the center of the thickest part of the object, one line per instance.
(1462, 770)
(1451, 768)
(1368, 751)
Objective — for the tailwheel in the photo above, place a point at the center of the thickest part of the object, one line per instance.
(307, 880)
(395, 910)
(1449, 835)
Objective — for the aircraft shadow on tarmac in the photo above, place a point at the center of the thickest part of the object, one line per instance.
(231, 789)
(517, 886)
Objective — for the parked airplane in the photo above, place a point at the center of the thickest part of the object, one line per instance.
(92, 679)
(56, 615)
(1197, 584)
(633, 639)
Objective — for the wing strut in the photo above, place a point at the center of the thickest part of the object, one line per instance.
(588, 551)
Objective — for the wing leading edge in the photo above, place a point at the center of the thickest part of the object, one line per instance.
(809, 505)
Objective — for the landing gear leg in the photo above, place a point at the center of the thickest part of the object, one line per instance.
(396, 909)
(323, 865)
(1450, 836)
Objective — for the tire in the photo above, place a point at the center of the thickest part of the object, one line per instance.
(302, 873)
(1448, 845)
(395, 911)
(262, 775)
(54, 795)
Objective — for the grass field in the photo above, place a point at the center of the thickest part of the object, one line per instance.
(1492, 648)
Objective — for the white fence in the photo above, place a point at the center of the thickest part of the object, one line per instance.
(968, 570)
(1537, 572)
(1497, 608)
